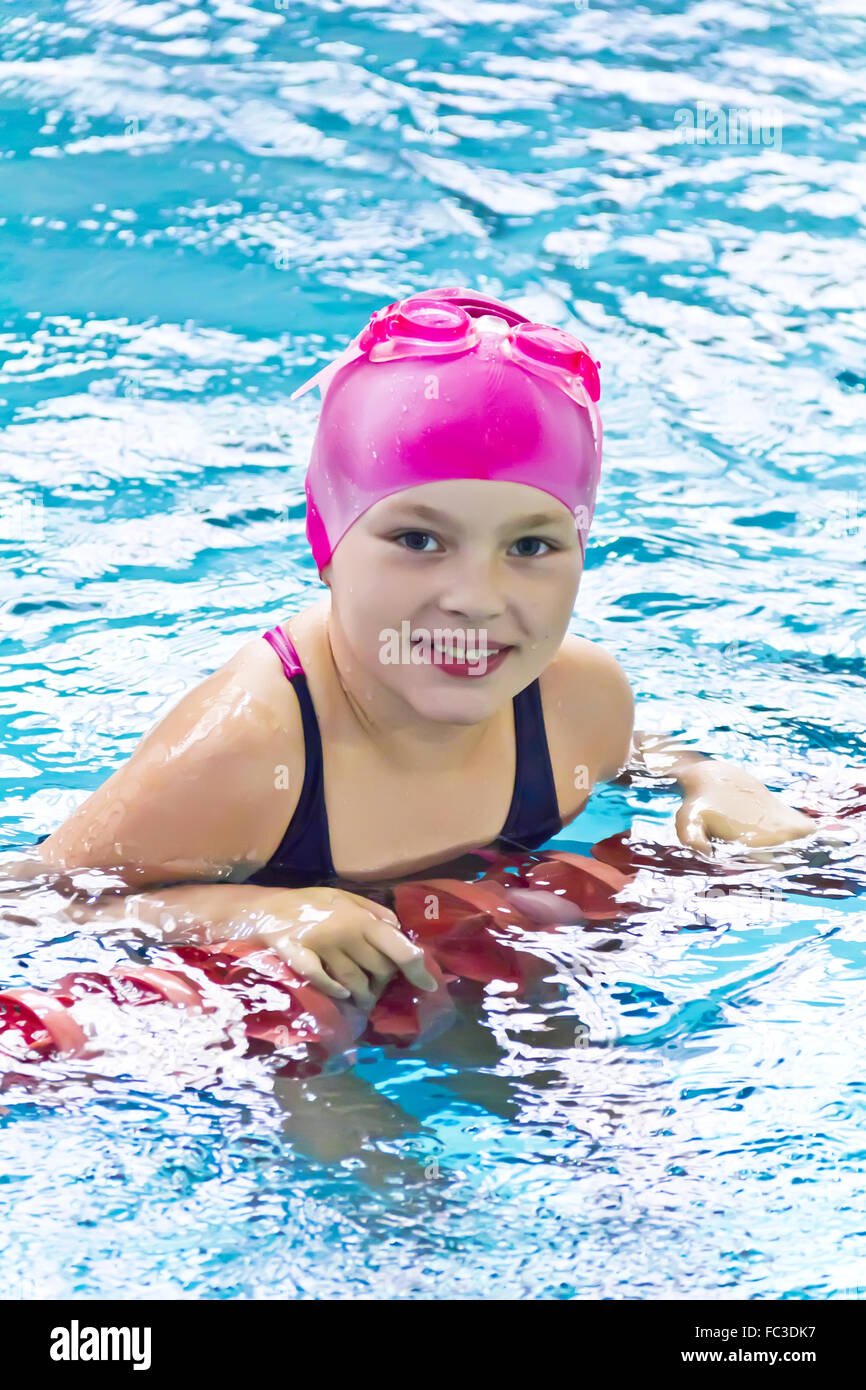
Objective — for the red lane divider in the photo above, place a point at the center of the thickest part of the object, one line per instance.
(308, 1016)
(42, 1019)
(467, 931)
(134, 984)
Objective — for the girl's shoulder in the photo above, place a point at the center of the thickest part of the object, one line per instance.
(588, 706)
(207, 791)
(274, 704)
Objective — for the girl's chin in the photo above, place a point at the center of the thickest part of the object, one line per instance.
(453, 695)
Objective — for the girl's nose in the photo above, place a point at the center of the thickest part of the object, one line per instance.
(474, 590)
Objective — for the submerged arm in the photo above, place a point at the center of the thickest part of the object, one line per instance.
(658, 755)
(721, 800)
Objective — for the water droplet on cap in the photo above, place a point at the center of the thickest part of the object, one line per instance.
(491, 323)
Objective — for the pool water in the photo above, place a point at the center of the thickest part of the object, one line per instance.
(198, 205)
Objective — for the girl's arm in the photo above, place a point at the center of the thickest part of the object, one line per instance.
(192, 912)
(721, 801)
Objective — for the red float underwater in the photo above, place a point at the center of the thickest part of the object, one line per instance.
(468, 931)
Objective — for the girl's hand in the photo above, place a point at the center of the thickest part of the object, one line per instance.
(342, 943)
(722, 802)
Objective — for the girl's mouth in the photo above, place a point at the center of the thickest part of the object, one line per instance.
(467, 659)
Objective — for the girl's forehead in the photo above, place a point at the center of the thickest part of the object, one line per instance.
(449, 498)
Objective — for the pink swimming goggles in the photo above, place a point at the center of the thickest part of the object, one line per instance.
(486, 422)
(427, 325)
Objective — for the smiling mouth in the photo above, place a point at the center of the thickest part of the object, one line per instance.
(467, 652)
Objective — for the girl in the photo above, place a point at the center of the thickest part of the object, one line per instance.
(434, 701)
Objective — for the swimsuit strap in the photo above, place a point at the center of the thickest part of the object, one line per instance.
(533, 817)
(306, 845)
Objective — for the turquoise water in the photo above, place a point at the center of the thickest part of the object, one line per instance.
(198, 204)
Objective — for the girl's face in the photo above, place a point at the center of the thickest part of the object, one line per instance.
(466, 568)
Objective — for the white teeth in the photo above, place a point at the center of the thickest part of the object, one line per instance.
(466, 654)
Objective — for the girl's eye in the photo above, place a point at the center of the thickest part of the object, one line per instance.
(412, 536)
(417, 541)
(533, 540)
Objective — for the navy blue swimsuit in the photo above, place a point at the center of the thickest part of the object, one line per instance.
(303, 857)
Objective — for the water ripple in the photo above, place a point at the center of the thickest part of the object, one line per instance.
(199, 205)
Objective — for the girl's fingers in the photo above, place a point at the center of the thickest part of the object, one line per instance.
(690, 831)
(371, 960)
(408, 958)
(308, 964)
(351, 976)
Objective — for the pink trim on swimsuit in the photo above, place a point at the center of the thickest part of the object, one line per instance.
(285, 650)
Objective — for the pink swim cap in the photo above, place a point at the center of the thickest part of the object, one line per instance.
(426, 393)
